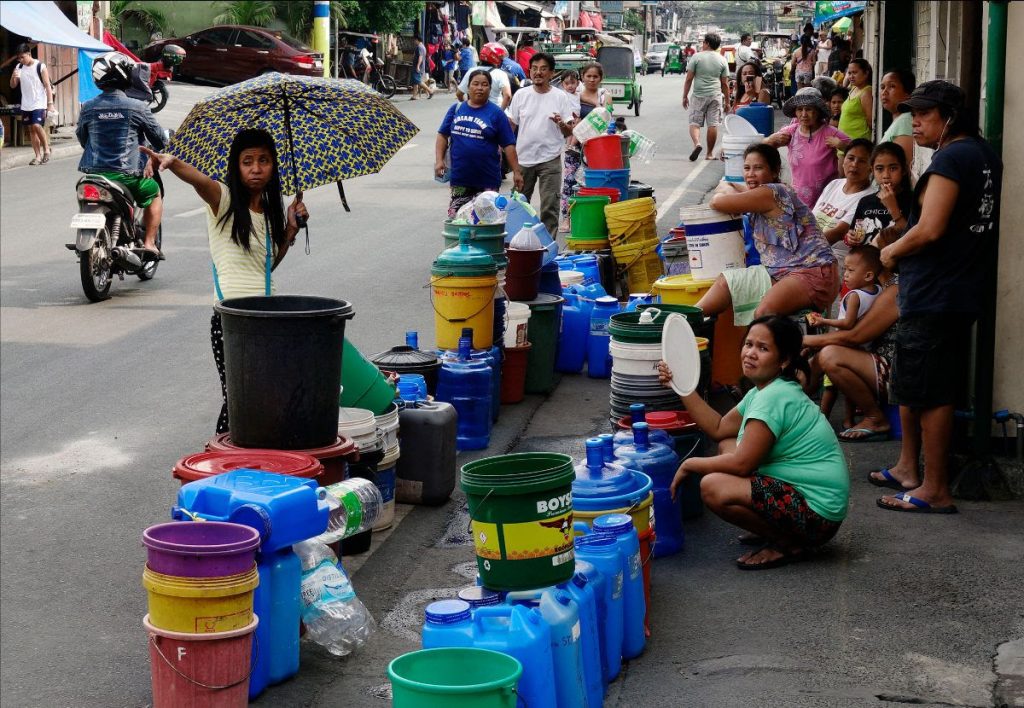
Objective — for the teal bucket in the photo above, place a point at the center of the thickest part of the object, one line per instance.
(489, 238)
(451, 677)
(363, 385)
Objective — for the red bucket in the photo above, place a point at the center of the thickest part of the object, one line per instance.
(513, 374)
(201, 670)
(334, 458)
(610, 192)
(604, 153)
(522, 277)
(207, 464)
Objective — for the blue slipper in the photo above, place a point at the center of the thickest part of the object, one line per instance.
(889, 482)
(920, 506)
(867, 435)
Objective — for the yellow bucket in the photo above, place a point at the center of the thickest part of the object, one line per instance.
(642, 514)
(631, 221)
(681, 289)
(579, 245)
(640, 263)
(466, 301)
(200, 605)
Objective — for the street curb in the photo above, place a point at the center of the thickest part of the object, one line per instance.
(20, 157)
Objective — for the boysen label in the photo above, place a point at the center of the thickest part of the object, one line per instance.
(550, 538)
(555, 504)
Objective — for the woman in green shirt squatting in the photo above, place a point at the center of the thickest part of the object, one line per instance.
(780, 474)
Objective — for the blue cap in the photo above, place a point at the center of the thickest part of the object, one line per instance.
(448, 612)
(596, 541)
(478, 596)
(613, 524)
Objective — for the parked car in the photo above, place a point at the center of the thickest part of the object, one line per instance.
(231, 53)
(656, 56)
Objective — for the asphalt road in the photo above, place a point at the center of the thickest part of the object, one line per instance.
(99, 400)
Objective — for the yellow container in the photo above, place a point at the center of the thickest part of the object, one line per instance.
(631, 221)
(573, 244)
(642, 514)
(200, 605)
(466, 301)
(640, 263)
(681, 289)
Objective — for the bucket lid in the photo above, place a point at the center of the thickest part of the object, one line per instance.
(544, 301)
(737, 125)
(478, 596)
(402, 358)
(208, 464)
(341, 447)
(448, 612)
(682, 282)
(464, 259)
(613, 524)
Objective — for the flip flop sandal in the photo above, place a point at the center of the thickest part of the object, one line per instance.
(919, 506)
(695, 153)
(889, 482)
(784, 559)
(751, 539)
(868, 436)
(46, 158)
(34, 161)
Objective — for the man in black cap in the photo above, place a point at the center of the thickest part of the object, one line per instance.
(943, 263)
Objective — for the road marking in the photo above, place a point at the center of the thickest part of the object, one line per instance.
(406, 147)
(190, 212)
(683, 186)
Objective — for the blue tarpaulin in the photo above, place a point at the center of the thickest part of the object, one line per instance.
(831, 10)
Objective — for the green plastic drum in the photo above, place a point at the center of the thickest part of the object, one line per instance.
(520, 506)
(487, 237)
(454, 677)
(542, 332)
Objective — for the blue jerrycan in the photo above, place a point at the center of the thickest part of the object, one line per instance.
(603, 553)
(522, 633)
(582, 591)
(560, 611)
(572, 341)
(620, 527)
(599, 360)
(659, 462)
(447, 623)
(598, 584)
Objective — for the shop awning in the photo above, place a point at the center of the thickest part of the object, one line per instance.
(522, 5)
(43, 22)
(831, 10)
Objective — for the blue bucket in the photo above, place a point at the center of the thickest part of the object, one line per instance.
(619, 179)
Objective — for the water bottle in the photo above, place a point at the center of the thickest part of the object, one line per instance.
(599, 360)
(638, 414)
(620, 527)
(355, 504)
(467, 385)
(447, 623)
(659, 462)
(334, 617)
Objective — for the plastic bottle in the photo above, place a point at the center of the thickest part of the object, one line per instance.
(599, 360)
(620, 527)
(466, 385)
(334, 617)
(485, 207)
(604, 554)
(355, 506)
(526, 239)
(582, 591)
(659, 462)
(572, 341)
(447, 623)
(594, 125)
(522, 633)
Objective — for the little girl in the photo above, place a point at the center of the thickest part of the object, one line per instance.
(572, 156)
(881, 217)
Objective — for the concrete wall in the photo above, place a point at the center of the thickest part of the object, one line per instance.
(1009, 374)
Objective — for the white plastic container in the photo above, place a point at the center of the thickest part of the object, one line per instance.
(385, 481)
(732, 149)
(518, 318)
(387, 426)
(714, 241)
(635, 359)
(359, 425)
(570, 277)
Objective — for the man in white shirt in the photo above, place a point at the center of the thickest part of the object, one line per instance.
(744, 52)
(544, 118)
(36, 100)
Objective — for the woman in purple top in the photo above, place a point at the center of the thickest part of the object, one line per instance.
(812, 144)
(798, 269)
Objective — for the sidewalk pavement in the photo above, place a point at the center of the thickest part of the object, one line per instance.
(63, 143)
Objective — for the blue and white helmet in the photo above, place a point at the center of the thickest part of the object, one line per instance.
(112, 70)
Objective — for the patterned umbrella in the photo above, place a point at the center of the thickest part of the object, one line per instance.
(326, 130)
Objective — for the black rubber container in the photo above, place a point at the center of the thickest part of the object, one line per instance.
(282, 356)
(406, 360)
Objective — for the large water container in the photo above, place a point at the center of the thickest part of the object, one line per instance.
(598, 584)
(620, 527)
(467, 385)
(603, 553)
(638, 414)
(659, 462)
(561, 612)
(522, 633)
(572, 341)
(596, 478)
(759, 115)
(447, 623)
(494, 357)
(599, 361)
(582, 591)
(426, 469)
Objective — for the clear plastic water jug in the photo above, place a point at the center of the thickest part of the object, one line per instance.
(659, 462)
(466, 384)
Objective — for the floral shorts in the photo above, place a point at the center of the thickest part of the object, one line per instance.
(781, 505)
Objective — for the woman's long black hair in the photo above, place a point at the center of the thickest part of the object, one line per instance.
(273, 202)
(894, 150)
(740, 88)
(789, 340)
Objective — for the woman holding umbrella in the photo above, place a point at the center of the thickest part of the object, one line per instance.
(249, 229)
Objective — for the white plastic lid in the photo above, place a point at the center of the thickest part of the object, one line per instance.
(679, 351)
(570, 277)
(736, 125)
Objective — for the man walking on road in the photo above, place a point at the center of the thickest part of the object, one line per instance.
(544, 117)
(420, 70)
(708, 74)
(36, 99)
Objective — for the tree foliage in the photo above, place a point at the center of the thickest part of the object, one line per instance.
(256, 13)
(633, 21)
(132, 11)
(298, 16)
(382, 16)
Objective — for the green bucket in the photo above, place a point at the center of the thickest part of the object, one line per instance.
(454, 677)
(693, 314)
(363, 385)
(487, 237)
(587, 218)
(542, 332)
(626, 327)
(521, 511)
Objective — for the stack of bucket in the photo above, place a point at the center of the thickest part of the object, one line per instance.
(588, 228)
(674, 253)
(200, 579)
(360, 425)
(636, 349)
(607, 165)
(633, 236)
(387, 430)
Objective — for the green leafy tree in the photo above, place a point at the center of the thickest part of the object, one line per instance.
(298, 16)
(124, 12)
(256, 13)
(634, 21)
(383, 16)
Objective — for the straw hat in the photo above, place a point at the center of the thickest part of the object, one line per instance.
(807, 97)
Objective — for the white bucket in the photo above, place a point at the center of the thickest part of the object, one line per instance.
(714, 241)
(570, 277)
(732, 149)
(635, 359)
(387, 510)
(518, 315)
(387, 427)
(359, 425)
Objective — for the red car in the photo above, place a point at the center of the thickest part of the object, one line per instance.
(232, 53)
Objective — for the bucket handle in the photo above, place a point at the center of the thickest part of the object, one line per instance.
(255, 658)
(489, 303)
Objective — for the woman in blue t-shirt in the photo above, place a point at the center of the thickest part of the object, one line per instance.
(781, 475)
(475, 130)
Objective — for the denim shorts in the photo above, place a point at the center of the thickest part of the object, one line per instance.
(36, 117)
(930, 368)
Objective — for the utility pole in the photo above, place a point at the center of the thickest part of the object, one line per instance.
(322, 32)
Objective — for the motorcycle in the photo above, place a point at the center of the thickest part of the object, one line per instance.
(160, 72)
(109, 235)
(383, 83)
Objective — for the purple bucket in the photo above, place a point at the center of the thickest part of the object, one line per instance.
(200, 549)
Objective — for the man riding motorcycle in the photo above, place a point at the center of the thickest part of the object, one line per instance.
(110, 128)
